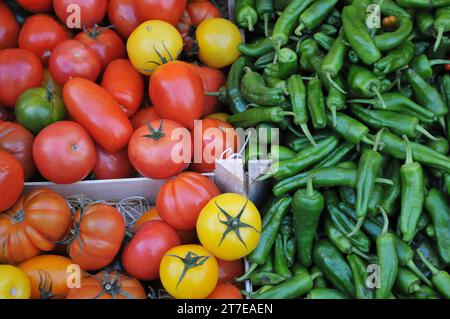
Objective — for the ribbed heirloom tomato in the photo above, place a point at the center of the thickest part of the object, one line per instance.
(123, 16)
(165, 10)
(34, 224)
(11, 180)
(14, 283)
(112, 165)
(90, 11)
(96, 235)
(64, 153)
(180, 200)
(9, 28)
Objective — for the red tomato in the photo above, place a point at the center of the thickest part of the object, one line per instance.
(91, 11)
(213, 80)
(166, 10)
(72, 58)
(143, 254)
(123, 15)
(125, 84)
(94, 108)
(112, 165)
(18, 141)
(229, 270)
(226, 291)
(215, 137)
(41, 34)
(20, 70)
(200, 11)
(143, 116)
(180, 200)
(9, 28)
(177, 92)
(11, 180)
(151, 151)
(105, 42)
(36, 6)
(64, 152)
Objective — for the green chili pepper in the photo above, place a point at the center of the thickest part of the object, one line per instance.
(280, 262)
(233, 86)
(424, 21)
(254, 90)
(264, 8)
(423, 3)
(429, 230)
(359, 270)
(422, 66)
(387, 260)
(280, 5)
(323, 40)
(264, 60)
(391, 8)
(429, 251)
(350, 129)
(440, 278)
(352, 56)
(303, 142)
(390, 40)
(425, 292)
(358, 36)
(316, 13)
(365, 82)
(334, 18)
(395, 60)
(391, 193)
(252, 117)
(291, 251)
(319, 281)
(325, 293)
(406, 282)
(307, 207)
(286, 64)
(245, 13)
(347, 194)
(268, 266)
(316, 104)
(439, 210)
(420, 47)
(281, 152)
(257, 49)
(334, 60)
(441, 24)
(335, 99)
(266, 278)
(336, 156)
(440, 144)
(298, 269)
(334, 267)
(328, 29)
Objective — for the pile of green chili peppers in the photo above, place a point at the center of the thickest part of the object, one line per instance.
(360, 205)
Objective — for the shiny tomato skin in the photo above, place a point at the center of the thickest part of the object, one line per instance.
(112, 165)
(125, 84)
(123, 15)
(180, 200)
(40, 34)
(152, 158)
(143, 254)
(18, 141)
(230, 270)
(9, 28)
(72, 58)
(165, 10)
(144, 115)
(11, 180)
(36, 6)
(226, 291)
(20, 70)
(200, 11)
(177, 92)
(105, 42)
(213, 80)
(64, 153)
(97, 111)
(91, 11)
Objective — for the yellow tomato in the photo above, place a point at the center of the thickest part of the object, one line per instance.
(153, 43)
(217, 42)
(14, 283)
(189, 272)
(219, 116)
(229, 226)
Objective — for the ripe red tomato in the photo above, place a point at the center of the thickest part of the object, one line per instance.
(143, 116)
(230, 270)
(200, 11)
(36, 6)
(105, 42)
(91, 11)
(123, 15)
(213, 80)
(9, 28)
(177, 92)
(20, 70)
(166, 10)
(72, 58)
(11, 180)
(94, 108)
(143, 254)
(18, 141)
(98, 232)
(64, 152)
(112, 165)
(153, 151)
(125, 84)
(226, 291)
(41, 34)
(180, 200)
(215, 137)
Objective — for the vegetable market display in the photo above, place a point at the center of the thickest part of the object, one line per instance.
(360, 187)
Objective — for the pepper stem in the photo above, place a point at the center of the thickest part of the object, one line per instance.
(427, 263)
(409, 155)
(310, 186)
(438, 61)
(294, 131)
(357, 227)
(363, 101)
(334, 84)
(438, 38)
(385, 218)
(266, 24)
(380, 97)
(299, 29)
(246, 276)
(333, 115)
(422, 130)
(216, 94)
(378, 139)
(361, 254)
(305, 130)
(385, 181)
(315, 275)
(441, 120)
(250, 23)
(412, 266)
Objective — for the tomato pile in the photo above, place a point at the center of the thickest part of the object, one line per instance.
(97, 90)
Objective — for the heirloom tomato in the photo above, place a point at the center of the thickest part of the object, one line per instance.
(151, 41)
(14, 283)
(166, 10)
(189, 272)
(96, 236)
(34, 224)
(213, 80)
(64, 153)
(200, 11)
(86, 12)
(11, 180)
(229, 226)
(9, 28)
(123, 16)
(143, 116)
(112, 165)
(226, 291)
(49, 83)
(20, 70)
